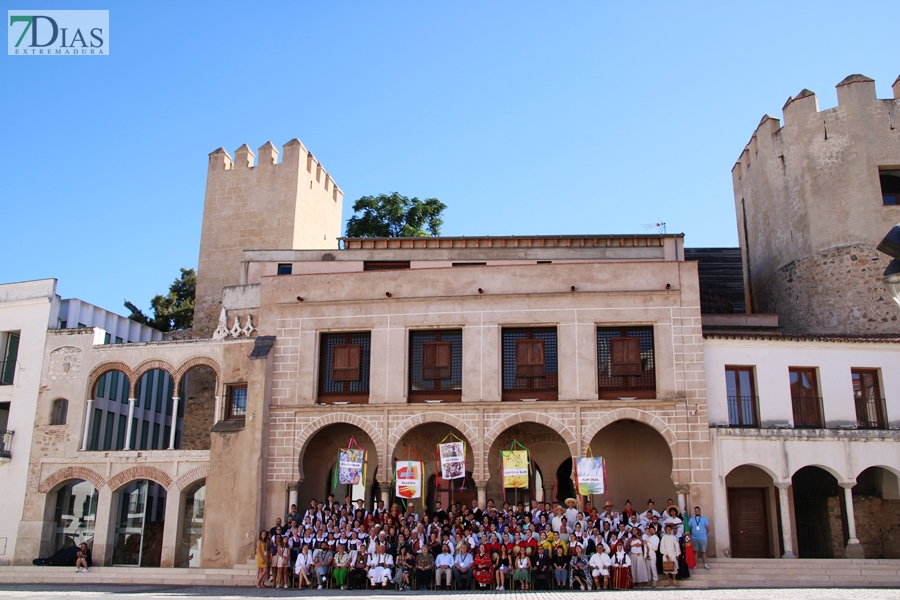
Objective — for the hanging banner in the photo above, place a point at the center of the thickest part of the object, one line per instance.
(350, 466)
(515, 468)
(453, 460)
(409, 479)
(589, 473)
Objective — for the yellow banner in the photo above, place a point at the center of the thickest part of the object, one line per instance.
(515, 468)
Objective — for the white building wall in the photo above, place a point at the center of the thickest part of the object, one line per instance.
(74, 312)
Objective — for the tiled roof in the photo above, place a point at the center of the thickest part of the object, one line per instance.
(870, 338)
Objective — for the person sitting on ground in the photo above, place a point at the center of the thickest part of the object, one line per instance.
(83, 558)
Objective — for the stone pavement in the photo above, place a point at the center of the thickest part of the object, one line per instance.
(168, 592)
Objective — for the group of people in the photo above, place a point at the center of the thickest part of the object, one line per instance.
(540, 547)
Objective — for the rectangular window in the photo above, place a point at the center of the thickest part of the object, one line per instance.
(870, 409)
(890, 187)
(119, 340)
(120, 439)
(113, 384)
(435, 365)
(743, 404)
(344, 367)
(236, 405)
(167, 433)
(626, 363)
(95, 431)
(469, 264)
(134, 433)
(155, 442)
(805, 399)
(530, 366)
(385, 265)
(106, 338)
(101, 385)
(145, 434)
(10, 356)
(285, 268)
(160, 388)
(110, 427)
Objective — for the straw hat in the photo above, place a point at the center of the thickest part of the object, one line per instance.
(515, 550)
(672, 511)
(572, 500)
(608, 504)
(559, 510)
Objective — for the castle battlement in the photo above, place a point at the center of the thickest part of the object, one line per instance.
(294, 154)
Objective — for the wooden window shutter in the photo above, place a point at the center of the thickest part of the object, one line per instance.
(625, 356)
(436, 360)
(529, 358)
(345, 362)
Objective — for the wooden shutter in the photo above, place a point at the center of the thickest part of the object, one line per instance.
(345, 362)
(529, 358)
(436, 360)
(625, 356)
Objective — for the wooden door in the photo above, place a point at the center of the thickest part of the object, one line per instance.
(748, 523)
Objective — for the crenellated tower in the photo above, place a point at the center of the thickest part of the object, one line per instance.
(292, 204)
(811, 208)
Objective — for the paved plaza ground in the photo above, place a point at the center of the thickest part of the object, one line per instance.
(164, 592)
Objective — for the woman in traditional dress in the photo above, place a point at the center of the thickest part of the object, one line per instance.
(670, 550)
(621, 569)
(501, 568)
(522, 574)
(638, 557)
(483, 568)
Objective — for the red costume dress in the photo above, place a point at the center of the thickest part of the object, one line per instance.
(620, 566)
(483, 569)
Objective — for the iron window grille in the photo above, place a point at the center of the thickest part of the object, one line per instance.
(524, 379)
(339, 380)
(612, 384)
(871, 412)
(435, 365)
(806, 404)
(236, 406)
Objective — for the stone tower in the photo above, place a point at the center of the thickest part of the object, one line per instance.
(293, 204)
(810, 210)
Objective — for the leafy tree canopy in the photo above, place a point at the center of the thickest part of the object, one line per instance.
(393, 215)
(172, 311)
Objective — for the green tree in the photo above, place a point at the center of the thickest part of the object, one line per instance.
(172, 311)
(393, 215)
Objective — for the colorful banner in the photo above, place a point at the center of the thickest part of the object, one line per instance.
(409, 479)
(453, 460)
(350, 466)
(515, 468)
(589, 473)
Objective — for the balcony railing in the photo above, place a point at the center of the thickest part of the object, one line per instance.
(808, 412)
(6, 444)
(7, 372)
(871, 413)
(742, 411)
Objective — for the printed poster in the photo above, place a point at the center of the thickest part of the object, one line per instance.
(515, 468)
(409, 479)
(453, 460)
(590, 475)
(350, 465)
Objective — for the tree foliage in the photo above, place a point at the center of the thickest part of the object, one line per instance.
(172, 311)
(393, 215)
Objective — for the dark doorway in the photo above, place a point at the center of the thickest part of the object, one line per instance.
(565, 488)
(748, 522)
(818, 529)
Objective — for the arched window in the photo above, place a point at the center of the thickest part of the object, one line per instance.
(59, 411)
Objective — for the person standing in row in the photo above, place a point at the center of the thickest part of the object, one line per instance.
(699, 527)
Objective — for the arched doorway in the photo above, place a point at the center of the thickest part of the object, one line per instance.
(818, 513)
(548, 451)
(197, 406)
(420, 443)
(151, 428)
(876, 506)
(74, 515)
(753, 513)
(638, 465)
(192, 531)
(141, 511)
(109, 415)
(320, 461)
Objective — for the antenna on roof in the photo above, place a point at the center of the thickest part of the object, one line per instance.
(660, 226)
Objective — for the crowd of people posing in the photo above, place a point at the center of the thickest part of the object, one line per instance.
(492, 548)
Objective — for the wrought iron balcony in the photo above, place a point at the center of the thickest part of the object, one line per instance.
(743, 411)
(871, 413)
(6, 444)
(808, 412)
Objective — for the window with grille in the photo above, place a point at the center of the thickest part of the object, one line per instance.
(344, 367)
(806, 403)
(742, 401)
(870, 409)
(530, 367)
(435, 365)
(236, 406)
(626, 362)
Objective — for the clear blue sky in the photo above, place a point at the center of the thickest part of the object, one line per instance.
(523, 117)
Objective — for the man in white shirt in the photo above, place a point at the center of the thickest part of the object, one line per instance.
(380, 565)
(599, 567)
(443, 567)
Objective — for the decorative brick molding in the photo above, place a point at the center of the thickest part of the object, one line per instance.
(566, 432)
(310, 430)
(192, 476)
(107, 366)
(197, 361)
(69, 473)
(410, 423)
(151, 365)
(628, 413)
(142, 472)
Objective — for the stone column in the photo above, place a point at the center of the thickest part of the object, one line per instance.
(216, 416)
(548, 493)
(386, 495)
(786, 522)
(87, 424)
(104, 528)
(481, 486)
(682, 490)
(292, 496)
(131, 402)
(173, 527)
(853, 549)
(175, 401)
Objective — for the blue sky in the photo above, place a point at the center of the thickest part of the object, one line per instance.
(523, 117)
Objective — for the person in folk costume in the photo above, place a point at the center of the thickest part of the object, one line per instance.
(638, 557)
(599, 567)
(621, 569)
(670, 550)
(651, 545)
(483, 568)
(677, 523)
(625, 516)
(380, 565)
(571, 512)
(557, 521)
(578, 570)
(608, 514)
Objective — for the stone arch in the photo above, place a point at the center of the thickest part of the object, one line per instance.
(69, 473)
(768, 471)
(197, 361)
(830, 470)
(192, 476)
(311, 429)
(460, 425)
(151, 365)
(894, 470)
(142, 472)
(566, 432)
(107, 366)
(633, 414)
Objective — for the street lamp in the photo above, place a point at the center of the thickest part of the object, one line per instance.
(890, 245)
